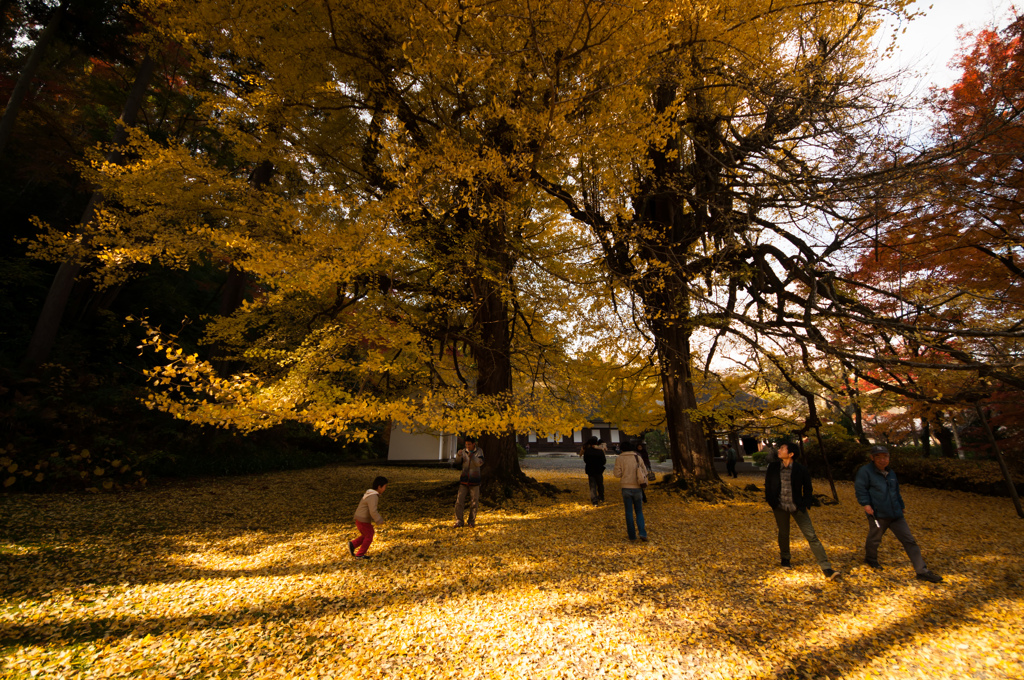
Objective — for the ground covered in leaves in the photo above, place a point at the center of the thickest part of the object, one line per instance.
(250, 577)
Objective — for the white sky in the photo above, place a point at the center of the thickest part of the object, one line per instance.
(931, 41)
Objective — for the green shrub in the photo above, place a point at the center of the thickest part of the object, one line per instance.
(953, 474)
(657, 445)
(758, 457)
(521, 451)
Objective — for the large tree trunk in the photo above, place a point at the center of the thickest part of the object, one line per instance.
(48, 324)
(667, 307)
(1011, 487)
(27, 74)
(501, 473)
(232, 292)
(690, 459)
(712, 441)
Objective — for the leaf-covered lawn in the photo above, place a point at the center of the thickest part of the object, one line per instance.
(251, 578)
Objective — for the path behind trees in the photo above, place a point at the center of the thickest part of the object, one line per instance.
(250, 577)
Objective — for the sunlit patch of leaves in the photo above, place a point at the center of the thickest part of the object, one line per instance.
(251, 578)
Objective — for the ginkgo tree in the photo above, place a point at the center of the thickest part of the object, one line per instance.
(412, 146)
(742, 132)
(407, 271)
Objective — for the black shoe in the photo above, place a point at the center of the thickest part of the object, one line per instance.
(351, 550)
(873, 564)
(362, 557)
(831, 574)
(471, 525)
(643, 538)
(929, 576)
(457, 525)
(785, 562)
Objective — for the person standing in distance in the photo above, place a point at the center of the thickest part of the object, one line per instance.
(731, 458)
(471, 457)
(594, 460)
(787, 488)
(878, 492)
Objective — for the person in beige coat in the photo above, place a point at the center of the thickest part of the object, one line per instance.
(366, 516)
(630, 468)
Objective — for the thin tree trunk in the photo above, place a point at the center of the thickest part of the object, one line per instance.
(956, 437)
(28, 73)
(1002, 461)
(858, 423)
(828, 468)
(48, 324)
(814, 421)
(926, 437)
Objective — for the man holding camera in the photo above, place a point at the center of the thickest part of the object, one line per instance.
(471, 457)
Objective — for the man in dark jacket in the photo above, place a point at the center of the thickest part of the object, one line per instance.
(731, 458)
(787, 488)
(878, 493)
(594, 460)
(471, 459)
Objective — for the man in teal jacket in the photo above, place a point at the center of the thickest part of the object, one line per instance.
(878, 492)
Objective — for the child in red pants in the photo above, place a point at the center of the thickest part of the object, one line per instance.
(365, 514)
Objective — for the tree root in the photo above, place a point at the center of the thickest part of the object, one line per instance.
(499, 494)
(710, 491)
(522, 487)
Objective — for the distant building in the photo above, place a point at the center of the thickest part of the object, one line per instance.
(571, 441)
(407, 446)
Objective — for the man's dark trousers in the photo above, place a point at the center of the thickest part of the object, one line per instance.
(901, 530)
(596, 487)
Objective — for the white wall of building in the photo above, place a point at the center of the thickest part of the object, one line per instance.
(406, 445)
